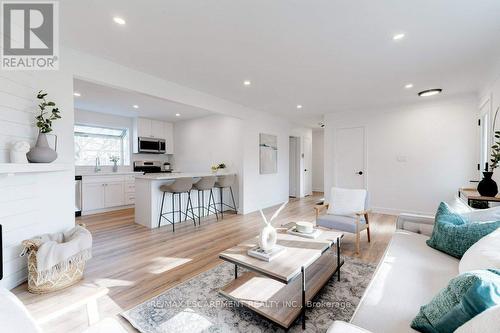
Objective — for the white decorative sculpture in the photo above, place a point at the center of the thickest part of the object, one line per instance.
(18, 152)
(268, 234)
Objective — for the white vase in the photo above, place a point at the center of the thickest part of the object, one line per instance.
(267, 238)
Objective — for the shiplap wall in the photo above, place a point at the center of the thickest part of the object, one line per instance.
(16, 110)
(32, 203)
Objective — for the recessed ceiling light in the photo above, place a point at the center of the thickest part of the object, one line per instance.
(177, 114)
(77, 94)
(430, 92)
(409, 86)
(135, 106)
(247, 82)
(398, 36)
(299, 106)
(119, 20)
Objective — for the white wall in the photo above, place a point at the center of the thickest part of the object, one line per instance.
(85, 117)
(438, 139)
(262, 191)
(202, 142)
(318, 168)
(34, 203)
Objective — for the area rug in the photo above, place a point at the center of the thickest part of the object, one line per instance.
(195, 306)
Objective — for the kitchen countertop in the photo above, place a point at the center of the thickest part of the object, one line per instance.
(175, 175)
(108, 173)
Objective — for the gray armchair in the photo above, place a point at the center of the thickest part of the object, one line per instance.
(354, 224)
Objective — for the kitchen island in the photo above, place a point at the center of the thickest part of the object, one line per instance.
(148, 196)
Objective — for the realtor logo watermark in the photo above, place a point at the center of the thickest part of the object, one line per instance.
(30, 33)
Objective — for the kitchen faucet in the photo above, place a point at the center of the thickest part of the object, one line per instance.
(97, 164)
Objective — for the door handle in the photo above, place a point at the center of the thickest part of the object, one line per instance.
(360, 173)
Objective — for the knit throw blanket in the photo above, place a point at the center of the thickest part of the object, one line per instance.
(61, 251)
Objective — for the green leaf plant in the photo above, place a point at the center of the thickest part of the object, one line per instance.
(48, 113)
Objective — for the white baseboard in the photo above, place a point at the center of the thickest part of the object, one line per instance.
(105, 210)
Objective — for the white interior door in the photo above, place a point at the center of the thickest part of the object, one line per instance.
(350, 157)
(307, 157)
(294, 166)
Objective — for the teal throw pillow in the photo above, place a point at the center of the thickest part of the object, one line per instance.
(466, 296)
(454, 235)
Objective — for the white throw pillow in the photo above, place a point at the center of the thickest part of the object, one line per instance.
(458, 206)
(482, 215)
(484, 254)
(486, 322)
(346, 201)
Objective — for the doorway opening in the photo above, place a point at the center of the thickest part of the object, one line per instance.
(294, 165)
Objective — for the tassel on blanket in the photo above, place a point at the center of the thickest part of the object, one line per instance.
(60, 268)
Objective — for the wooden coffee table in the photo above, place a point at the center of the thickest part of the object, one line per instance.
(280, 289)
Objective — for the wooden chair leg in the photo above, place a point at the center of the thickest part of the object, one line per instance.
(357, 242)
(367, 227)
(357, 235)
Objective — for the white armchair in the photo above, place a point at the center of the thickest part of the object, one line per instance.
(352, 220)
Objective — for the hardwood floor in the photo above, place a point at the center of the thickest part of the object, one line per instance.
(136, 263)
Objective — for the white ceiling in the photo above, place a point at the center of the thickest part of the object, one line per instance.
(327, 55)
(104, 99)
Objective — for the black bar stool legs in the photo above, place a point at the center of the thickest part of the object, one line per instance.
(222, 204)
(179, 187)
(191, 210)
(226, 181)
(205, 184)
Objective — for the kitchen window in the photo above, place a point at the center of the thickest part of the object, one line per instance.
(93, 142)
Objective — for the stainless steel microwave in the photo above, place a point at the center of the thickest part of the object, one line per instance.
(152, 145)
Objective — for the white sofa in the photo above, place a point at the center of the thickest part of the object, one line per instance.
(409, 276)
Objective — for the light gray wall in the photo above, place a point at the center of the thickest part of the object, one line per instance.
(417, 155)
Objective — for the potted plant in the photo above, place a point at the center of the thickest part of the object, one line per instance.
(41, 152)
(115, 160)
(217, 167)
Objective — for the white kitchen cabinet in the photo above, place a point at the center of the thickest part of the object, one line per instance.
(104, 192)
(169, 137)
(113, 195)
(157, 129)
(144, 127)
(150, 128)
(93, 196)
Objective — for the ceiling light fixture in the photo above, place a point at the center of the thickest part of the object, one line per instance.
(409, 86)
(247, 82)
(398, 36)
(119, 20)
(135, 106)
(177, 114)
(299, 106)
(77, 94)
(430, 92)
